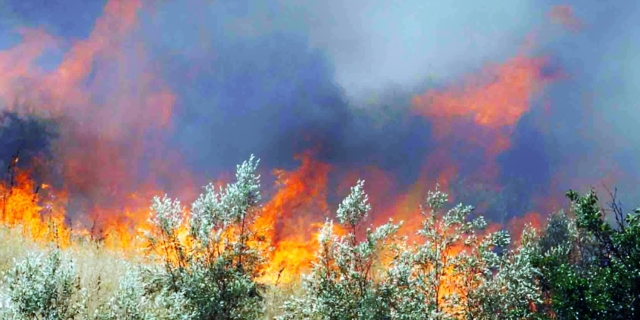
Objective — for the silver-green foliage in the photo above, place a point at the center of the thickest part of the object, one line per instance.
(215, 271)
(135, 299)
(452, 272)
(511, 291)
(439, 275)
(341, 284)
(42, 286)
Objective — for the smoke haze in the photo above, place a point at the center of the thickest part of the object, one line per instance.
(506, 103)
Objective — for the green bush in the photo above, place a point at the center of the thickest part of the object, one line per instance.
(341, 284)
(591, 268)
(450, 273)
(137, 299)
(42, 287)
(214, 271)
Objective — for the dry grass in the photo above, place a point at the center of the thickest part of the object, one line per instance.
(100, 269)
(13, 246)
(276, 296)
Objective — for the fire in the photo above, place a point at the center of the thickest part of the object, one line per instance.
(41, 213)
(476, 119)
(40, 217)
(106, 138)
(494, 101)
(290, 218)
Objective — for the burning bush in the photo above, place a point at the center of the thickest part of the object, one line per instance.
(213, 260)
(25, 151)
(208, 263)
(451, 274)
(341, 285)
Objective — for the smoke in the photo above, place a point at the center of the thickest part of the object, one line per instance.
(27, 137)
(104, 95)
(591, 113)
(512, 102)
(266, 89)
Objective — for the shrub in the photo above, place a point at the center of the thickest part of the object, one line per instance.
(451, 273)
(137, 299)
(212, 260)
(511, 291)
(42, 287)
(448, 273)
(590, 268)
(129, 301)
(341, 284)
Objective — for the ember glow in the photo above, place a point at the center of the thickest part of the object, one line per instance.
(144, 107)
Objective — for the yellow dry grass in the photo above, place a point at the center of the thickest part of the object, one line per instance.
(100, 269)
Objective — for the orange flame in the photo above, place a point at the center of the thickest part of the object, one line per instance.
(289, 218)
(40, 218)
(103, 137)
(494, 101)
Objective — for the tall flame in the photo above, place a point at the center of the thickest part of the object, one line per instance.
(291, 216)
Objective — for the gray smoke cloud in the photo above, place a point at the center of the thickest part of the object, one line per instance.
(275, 78)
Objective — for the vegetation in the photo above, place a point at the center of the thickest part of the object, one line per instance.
(589, 268)
(42, 287)
(450, 273)
(585, 264)
(212, 273)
